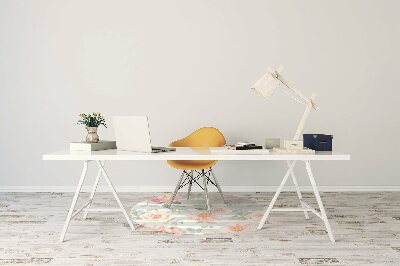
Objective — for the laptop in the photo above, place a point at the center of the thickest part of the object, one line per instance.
(132, 133)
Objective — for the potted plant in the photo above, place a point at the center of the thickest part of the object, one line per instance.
(92, 121)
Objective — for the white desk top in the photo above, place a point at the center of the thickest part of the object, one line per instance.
(189, 154)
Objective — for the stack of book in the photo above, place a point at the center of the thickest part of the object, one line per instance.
(98, 146)
(247, 146)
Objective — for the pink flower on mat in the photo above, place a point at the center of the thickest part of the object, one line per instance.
(203, 217)
(169, 230)
(237, 227)
(255, 216)
(155, 216)
(163, 198)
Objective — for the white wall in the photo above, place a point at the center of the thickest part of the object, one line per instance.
(188, 64)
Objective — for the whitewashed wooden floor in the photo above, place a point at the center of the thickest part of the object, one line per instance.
(366, 227)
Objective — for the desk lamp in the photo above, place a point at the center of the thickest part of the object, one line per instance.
(266, 86)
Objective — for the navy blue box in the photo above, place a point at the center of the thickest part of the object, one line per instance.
(318, 142)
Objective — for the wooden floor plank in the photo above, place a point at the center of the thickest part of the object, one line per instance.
(366, 226)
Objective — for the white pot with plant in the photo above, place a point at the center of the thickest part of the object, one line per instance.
(92, 121)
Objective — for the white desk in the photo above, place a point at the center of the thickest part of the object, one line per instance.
(100, 157)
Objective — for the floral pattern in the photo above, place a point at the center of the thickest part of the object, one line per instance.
(155, 216)
(235, 228)
(163, 199)
(190, 216)
(203, 217)
(168, 230)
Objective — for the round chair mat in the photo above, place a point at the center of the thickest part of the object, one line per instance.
(238, 215)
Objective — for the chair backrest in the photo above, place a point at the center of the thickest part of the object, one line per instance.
(203, 137)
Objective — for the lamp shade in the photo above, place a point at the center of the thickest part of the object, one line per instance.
(267, 84)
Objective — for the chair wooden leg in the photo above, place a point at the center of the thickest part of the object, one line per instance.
(206, 190)
(190, 184)
(218, 186)
(176, 190)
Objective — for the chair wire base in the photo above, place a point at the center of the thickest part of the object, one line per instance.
(188, 178)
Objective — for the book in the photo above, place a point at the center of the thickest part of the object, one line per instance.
(243, 143)
(248, 147)
(230, 150)
(295, 151)
(98, 146)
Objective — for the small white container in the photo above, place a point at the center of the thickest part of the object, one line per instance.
(271, 143)
(293, 144)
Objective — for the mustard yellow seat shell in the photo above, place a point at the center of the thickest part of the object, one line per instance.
(203, 137)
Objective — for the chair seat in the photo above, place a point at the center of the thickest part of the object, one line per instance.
(191, 164)
(203, 137)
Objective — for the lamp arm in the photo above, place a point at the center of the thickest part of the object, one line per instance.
(297, 92)
(309, 102)
(310, 105)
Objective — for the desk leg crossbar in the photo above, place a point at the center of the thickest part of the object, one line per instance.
(87, 206)
(305, 207)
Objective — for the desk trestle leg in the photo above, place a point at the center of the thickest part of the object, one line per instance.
(294, 179)
(304, 206)
(71, 209)
(86, 207)
(128, 219)
(96, 182)
(278, 191)
(320, 205)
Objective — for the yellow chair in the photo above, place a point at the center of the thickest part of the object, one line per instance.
(194, 170)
